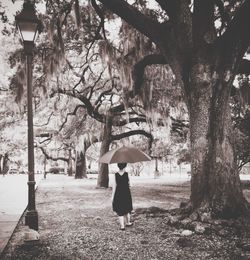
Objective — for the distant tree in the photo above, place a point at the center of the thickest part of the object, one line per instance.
(4, 163)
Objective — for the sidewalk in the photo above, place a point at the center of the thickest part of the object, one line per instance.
(13, 201)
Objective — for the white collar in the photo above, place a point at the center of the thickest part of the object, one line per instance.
(121, 172)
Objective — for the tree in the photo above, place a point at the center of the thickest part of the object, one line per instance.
(73, 51)
(64, 133)
(204, 44)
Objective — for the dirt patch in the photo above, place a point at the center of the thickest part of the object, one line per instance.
(76, 222)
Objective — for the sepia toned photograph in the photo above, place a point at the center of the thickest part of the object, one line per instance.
(125, 129)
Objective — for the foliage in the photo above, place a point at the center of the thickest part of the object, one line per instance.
(240, 107)
(185, 156)
(242, 148)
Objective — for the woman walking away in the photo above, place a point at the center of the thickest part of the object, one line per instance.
(121, 196)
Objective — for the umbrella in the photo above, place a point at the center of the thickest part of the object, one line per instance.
(124, 155)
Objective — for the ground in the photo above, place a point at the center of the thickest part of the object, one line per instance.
(76, 222)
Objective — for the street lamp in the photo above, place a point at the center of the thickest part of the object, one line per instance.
(28, 26)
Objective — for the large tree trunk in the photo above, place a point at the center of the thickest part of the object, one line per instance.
(215, 183)
(81, 169)
(103, 174)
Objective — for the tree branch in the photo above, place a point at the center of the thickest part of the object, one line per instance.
(132, 16)
(52, 158)
(179, 126)
(52, 113)
(181, 19)
(244, 67)
(130, 133)
(70, 114)
(123, 122)
(87, 104)
(139, 68)
(203, 22)
(4, 89)
(101, 15)
(236, 39)
(137, 75)
(100, 26)
(169, 6)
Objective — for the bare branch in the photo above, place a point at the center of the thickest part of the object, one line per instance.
(123, 122)
(130, 133)
(51, 157)
(101, 15)
(179, 126)
(70, 114)
(4, 89)
(100, 97)
(88, 105)
(94, 84)
(47, 140)
(101, 26)
(51, 114)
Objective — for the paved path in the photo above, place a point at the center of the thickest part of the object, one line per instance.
(14, 196)
(13, 201)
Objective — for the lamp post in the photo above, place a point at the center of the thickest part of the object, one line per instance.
(28, 26)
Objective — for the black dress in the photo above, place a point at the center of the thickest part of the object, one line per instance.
(122, 203)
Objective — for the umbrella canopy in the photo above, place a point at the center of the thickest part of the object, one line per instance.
(124, 155)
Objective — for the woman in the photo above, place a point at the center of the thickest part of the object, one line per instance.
(121, 196)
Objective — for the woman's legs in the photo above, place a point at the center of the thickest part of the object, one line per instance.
(122, 221)
(127, 219)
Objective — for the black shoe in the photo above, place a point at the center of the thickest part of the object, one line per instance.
(122, 229)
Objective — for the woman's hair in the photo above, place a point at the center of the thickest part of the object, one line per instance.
(121, 165)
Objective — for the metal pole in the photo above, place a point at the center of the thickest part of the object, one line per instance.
(31, 217)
